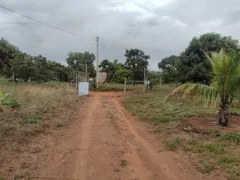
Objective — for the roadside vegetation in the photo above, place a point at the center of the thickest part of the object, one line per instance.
(199, 118)
(28, 110)
(190, 127)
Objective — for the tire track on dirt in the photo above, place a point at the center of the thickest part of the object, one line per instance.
(143, 155)
(82, 159)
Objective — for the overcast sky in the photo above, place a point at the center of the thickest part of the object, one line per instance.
(159, 27)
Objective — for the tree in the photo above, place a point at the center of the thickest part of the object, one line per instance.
(107, 67)
(169, 68)
(193, 65)
(41, 71)
(78, 62)
(22, 66)
(7, 52)
(121, 74)
(223, 89)
(136, 62)
(58, 71)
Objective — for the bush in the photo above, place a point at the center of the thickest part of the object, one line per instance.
(6, 101)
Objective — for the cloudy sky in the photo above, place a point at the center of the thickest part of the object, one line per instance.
(159, 27)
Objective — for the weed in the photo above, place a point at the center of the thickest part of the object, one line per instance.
(172, 145)
(36, 150)
(123, 163)
(117, 170)
(2, 178)
(231, 137)
(32, 118)
(160, 119)
(59, 125)
(24, 165)
(228, 160)
(207, 168)
(113, 87)
(17, 177)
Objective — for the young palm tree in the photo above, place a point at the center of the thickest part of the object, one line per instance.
(224, 86)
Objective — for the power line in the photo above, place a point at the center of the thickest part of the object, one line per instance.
(43, 23)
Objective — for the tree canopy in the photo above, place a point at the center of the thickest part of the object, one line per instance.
(78, 61)
(169, 68)
(224, 87)
(193, 65)
(136, 62)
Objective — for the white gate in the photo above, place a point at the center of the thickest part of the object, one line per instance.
(83, 88)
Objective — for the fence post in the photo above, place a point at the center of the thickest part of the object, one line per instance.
(125, 84)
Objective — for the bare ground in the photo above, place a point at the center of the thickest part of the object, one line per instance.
(104, 143)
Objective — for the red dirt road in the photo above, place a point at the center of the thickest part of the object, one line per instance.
(107, 143)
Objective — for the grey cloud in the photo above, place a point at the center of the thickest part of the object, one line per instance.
(160, 30)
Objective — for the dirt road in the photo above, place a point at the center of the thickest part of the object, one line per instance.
(107, 143)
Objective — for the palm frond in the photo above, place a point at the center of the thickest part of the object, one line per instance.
(198, 91)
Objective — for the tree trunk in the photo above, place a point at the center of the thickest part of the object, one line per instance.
(223, 112)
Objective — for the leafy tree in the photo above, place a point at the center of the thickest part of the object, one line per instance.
(7, 52)
(169, 68)
(225, 84)
(121, 74)
(41, 71)
(58, 71)
(22, 66)
(136, 62)
(78, 62)
(193, 65)
(107, 67)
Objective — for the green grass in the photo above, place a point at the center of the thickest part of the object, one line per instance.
(172, 145)
(211, 151)
(151, 106)
(114, 87)
(42, 108)
(230, 138)
(123, 163)
(39, 104)
(36, 150)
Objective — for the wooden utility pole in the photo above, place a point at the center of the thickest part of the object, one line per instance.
(97, 59)
(86, 73)
(144, 78)
(125, 86)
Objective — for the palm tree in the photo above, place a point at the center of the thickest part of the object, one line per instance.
(224, 86)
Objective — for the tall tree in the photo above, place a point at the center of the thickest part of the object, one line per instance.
(193, 65)
(107, 67)
(136, 62)
(169, 68)
(79, 61)
(7, 52)
(226, 83)
(41, 70)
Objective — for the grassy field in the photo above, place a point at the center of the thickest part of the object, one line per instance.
(114, 87)
(37, 108)
(211, 150)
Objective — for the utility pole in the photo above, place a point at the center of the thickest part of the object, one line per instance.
(97, 58)
(144, 78)
(86, 73)
(125, 83)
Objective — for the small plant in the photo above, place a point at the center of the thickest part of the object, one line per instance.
(59, 125)
(36, 150)
(6, 101)
(123, 163)
(32, 118)
(231, 137)
(172, 145)
(207, 168)
(117, 170)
